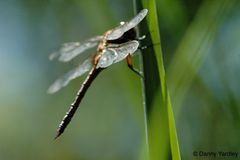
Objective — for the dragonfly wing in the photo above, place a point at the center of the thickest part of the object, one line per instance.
(77, 72)
(117, 52)
(65, 48)
(126, 48)
(107, 58)
(68, 51)
(120, 30)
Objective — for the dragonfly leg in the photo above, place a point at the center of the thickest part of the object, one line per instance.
(141, 38)
(129, 62)
(147, 46)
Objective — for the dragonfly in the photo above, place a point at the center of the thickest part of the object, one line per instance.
(113, 46)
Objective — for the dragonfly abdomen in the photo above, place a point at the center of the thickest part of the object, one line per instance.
(74, 106)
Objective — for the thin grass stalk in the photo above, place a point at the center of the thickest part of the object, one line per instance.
(161, 134)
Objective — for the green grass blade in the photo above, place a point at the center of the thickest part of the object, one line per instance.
(193, 48)
(161, 132)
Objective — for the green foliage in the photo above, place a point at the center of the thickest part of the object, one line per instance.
(194, 47)
(161, 134)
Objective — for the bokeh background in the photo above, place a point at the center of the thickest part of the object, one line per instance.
(110, 124)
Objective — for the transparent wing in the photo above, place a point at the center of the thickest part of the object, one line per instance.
(68, 51)
(107, 58)
(120, 30)
(117, 52)
(77, 72)
(126, 48)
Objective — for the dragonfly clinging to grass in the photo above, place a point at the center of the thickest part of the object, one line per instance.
(113, 46)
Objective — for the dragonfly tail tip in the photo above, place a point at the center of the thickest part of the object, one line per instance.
(57, 135)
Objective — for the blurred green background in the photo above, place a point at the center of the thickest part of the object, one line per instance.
(109, 124)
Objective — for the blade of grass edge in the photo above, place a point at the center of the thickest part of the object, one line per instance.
(194, 47)
(156, 96)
